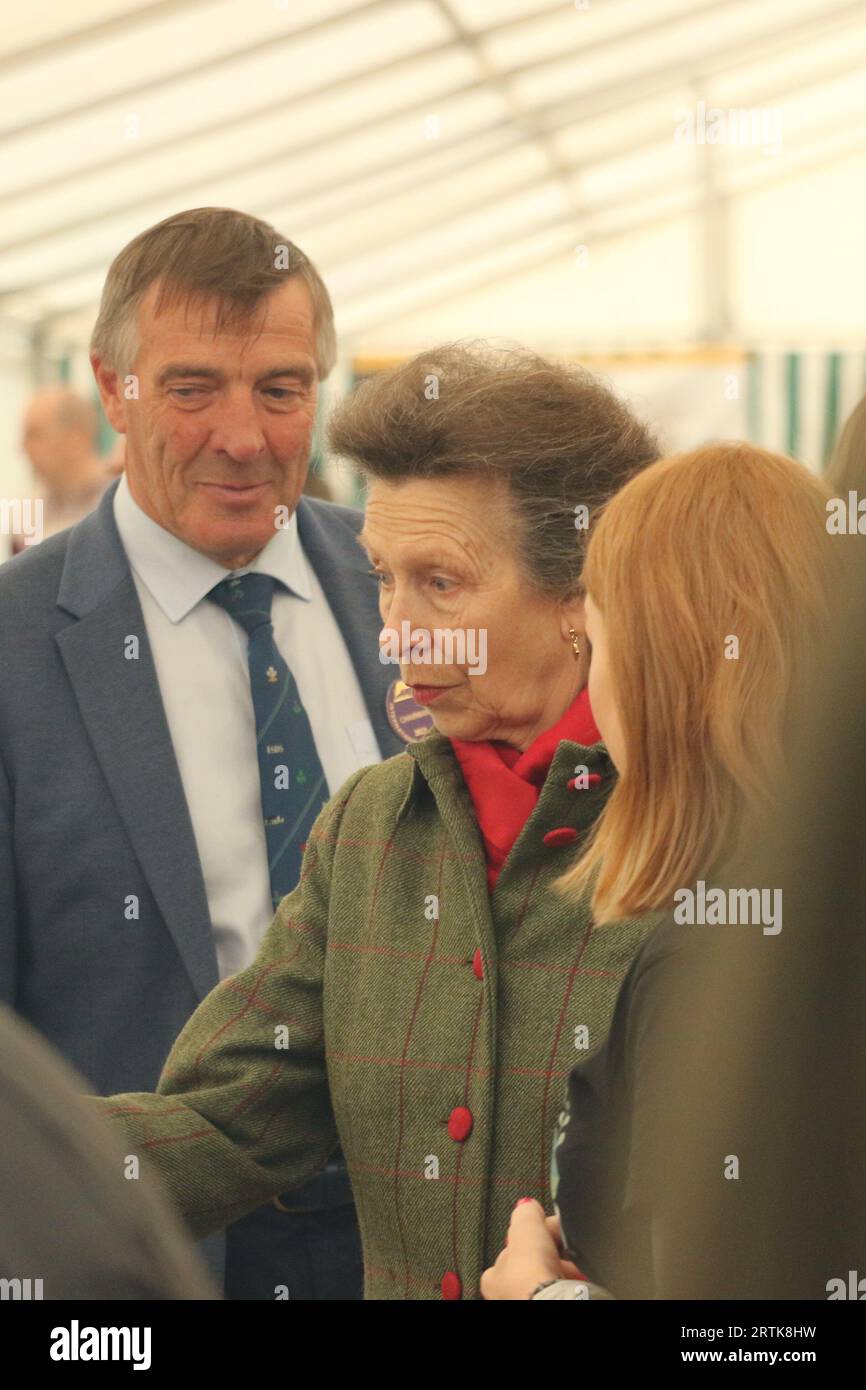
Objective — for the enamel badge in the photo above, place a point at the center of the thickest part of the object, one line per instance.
(406, 717)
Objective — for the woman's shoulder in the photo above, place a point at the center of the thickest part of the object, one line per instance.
(664, 940)
(376, 782)
(617, 945)
(382, 790)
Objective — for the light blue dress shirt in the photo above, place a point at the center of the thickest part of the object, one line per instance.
(201, 664)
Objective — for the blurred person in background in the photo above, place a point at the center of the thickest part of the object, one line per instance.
(59, 438)
(431, 983)
(695, 679)
(188, 674)
(847, 470)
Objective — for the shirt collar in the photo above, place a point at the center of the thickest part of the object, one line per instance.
(179, 576)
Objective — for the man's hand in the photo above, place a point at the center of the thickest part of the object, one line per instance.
(531, 1255)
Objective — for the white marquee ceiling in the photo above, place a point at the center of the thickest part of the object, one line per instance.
(416, 149)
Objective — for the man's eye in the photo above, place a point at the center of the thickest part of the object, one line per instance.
(282, 393)
(186, 392)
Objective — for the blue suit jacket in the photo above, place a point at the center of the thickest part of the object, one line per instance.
(92, 808)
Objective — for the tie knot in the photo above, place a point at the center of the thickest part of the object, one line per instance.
(247, 598)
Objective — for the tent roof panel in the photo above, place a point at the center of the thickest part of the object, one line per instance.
(414, 148)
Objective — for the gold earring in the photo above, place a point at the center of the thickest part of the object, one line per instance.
(575, 645)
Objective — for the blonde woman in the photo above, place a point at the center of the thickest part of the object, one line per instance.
(709, 582)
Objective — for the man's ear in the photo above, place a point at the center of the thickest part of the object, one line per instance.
(108, 385)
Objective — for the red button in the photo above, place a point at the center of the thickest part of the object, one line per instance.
(478, 965)
(563, 836)
(460, 1123)
(452, 1286)
(592, 780)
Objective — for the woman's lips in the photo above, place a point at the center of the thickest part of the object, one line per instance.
(426, 694)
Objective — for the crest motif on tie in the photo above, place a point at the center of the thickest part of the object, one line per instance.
(272, 675)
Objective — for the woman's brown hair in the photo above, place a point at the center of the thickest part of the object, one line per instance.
(714, 573)
(554, 435)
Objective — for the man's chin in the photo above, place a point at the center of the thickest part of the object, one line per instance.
(232, 541)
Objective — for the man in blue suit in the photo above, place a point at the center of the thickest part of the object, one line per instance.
(187, 675)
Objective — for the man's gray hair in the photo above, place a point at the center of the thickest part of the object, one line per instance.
(202, 255)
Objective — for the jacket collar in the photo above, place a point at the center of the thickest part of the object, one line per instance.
(435, 767)
(178, 576)
(95, 561)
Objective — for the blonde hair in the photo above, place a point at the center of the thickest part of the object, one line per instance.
(728, 541)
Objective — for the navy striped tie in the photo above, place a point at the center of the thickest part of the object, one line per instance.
(292, 781)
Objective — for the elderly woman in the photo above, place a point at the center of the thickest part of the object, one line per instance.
(422, 994)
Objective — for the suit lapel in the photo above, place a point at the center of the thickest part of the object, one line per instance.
(342, 570)
(121, 706)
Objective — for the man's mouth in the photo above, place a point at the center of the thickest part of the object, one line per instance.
(235, 492)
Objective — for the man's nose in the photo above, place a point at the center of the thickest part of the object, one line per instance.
(238, 429)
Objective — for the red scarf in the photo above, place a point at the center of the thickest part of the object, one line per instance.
(505, 784)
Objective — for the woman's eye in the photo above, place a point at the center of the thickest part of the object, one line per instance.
(380, 575)
(442, 585)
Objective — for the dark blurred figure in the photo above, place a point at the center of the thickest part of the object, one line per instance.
(62, 1219)
(58, 437)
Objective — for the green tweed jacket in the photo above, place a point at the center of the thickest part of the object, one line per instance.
(397, 1008)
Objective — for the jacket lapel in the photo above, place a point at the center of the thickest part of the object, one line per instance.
(341, 567)
(121, 706)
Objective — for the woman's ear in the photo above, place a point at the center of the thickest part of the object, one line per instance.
(574, 615)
